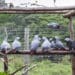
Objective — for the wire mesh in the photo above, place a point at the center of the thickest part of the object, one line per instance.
(17, 61)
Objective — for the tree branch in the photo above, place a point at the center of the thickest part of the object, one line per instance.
(18, 70)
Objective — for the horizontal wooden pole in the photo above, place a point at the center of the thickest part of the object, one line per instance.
(32, 12)
(36, 10)
(40, 9)
(58, 52)
(69, 14)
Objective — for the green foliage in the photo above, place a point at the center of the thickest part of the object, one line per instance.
(36, 22)
(3, 73)
(39, 25)
(44, 67)
(48, 68)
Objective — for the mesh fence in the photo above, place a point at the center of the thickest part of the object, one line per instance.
(26, 35)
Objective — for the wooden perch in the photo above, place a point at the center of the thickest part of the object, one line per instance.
(39, 52)
(41, 10)
(33, 12)
(70, 13)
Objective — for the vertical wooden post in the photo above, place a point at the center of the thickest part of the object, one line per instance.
(72, 37)
(73, 64)
(5, 63)
(26, 39)
(5, 57)
(71, 29)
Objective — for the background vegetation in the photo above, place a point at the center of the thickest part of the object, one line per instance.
(38, 25)
(44, 66)
(36, 22)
